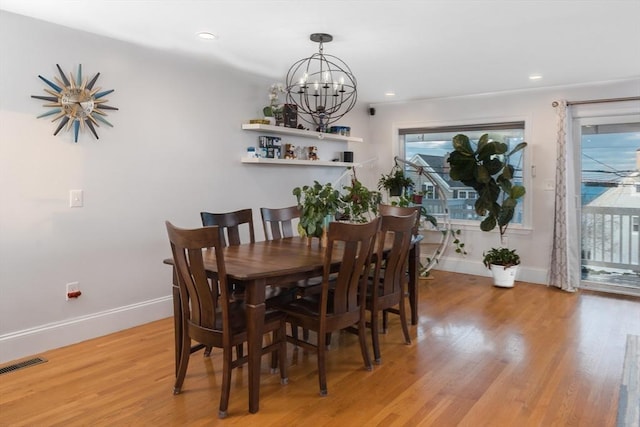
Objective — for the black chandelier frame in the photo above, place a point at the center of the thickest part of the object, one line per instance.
(322, 86)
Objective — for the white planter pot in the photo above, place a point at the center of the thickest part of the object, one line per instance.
(503, 277)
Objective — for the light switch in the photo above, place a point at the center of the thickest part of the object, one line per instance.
(75, 198)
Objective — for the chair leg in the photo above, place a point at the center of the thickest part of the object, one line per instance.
(328, 340)
(274, 353)
(226, 382)
(362, 333)
(282, 353)
(403, 322)
(385, 316)
(239, 351)
(322, 366)
(207, 351)
(374, 336)
(185, 352)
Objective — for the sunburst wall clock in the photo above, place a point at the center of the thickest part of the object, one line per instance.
(75, 102)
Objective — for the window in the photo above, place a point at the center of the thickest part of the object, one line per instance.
(429, 148)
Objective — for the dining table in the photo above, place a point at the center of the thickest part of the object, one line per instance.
(272, 263)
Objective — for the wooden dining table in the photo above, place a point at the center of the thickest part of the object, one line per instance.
(272, 262)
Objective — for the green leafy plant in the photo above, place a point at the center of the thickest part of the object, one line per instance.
(486, 168)
(395, 182)
(318, 202)
(501, 256)
(457, 243)
(359, 204)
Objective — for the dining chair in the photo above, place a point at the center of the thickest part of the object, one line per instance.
(209, 316)
(386, 286)
(229, 224)
(278, 222)
(416, 238)
(341, 302)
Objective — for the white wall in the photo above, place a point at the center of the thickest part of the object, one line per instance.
(534, 240)
(174, 150)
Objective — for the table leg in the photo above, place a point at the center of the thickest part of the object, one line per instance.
(255, 294)
(414, 268)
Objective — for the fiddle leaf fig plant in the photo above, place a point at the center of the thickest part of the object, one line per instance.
(486, 168)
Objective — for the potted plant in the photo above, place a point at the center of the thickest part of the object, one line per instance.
(359, 204)
(486, 169)
(273, 111)
(395, 182)
(318, 203)
(503, 263)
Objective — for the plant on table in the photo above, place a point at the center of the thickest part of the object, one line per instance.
(318, 203)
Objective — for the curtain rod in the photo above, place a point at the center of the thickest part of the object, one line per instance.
(598, 101)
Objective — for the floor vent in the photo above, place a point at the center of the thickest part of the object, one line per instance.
(20, 365)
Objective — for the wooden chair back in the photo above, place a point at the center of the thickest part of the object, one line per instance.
(356, 241)
(386, 210)
(278, 222)
(393, 276)
(229, 223)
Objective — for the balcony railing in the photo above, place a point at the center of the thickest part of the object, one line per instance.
(610, 237)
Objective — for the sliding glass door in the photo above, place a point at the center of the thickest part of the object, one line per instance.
(609, 151)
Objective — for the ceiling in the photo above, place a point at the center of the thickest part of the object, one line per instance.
(416, 49)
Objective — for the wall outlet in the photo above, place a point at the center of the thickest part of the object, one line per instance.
(73, 290)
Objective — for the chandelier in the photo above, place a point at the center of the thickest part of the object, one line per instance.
(321, 86)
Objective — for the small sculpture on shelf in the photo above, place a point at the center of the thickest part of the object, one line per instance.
(313, 153)
(290, 151)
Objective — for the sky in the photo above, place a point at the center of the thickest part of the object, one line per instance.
(612, 154)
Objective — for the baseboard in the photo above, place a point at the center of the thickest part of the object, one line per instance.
(475, 267)
(46, 337)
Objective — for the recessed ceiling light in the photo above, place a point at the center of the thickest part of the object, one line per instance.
(207, 36)
(535, 77)
(389, 93)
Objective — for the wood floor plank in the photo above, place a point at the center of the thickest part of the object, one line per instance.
(480, 356)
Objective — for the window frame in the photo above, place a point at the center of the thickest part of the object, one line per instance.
(528, 167)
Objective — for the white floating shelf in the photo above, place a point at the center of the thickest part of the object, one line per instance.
(299, 132)
(293, 162)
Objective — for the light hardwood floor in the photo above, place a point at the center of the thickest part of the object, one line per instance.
(481, 356)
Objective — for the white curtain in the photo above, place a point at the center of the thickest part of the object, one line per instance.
(565, 260)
